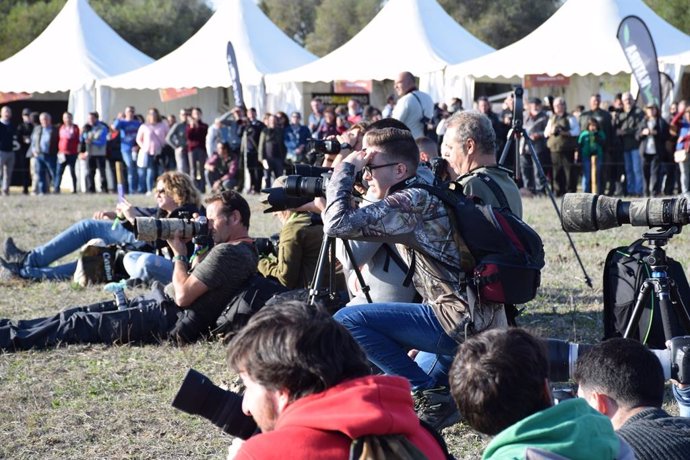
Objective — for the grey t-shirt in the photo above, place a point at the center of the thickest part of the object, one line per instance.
(225, 270)
(473, 185)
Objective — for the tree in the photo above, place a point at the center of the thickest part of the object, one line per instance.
(155, 27)
(499, 23)
(337, 21)
(675, 12)
(295, 18)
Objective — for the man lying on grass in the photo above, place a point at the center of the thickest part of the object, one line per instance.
(186, 309)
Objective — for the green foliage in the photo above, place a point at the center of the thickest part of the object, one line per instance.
(499, 23)
(337, 21)
(295, 18)
(675, 12)
(155, 27)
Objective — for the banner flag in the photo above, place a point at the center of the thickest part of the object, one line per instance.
(235, 76)
(639, 49)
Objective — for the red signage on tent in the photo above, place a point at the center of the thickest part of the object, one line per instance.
(10, 97)
(170, 94)
(352, 86)
(539, 80)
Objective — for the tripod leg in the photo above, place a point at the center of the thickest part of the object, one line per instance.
(641, 300)
(364, 286)
(680, 308)
(316, 284)
(549, 192)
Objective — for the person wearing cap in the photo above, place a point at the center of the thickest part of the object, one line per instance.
(300, 244)
(296, 136)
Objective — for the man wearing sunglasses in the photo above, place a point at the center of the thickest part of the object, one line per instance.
(419, 224)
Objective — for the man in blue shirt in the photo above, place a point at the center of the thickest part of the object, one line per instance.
(128, 126)
(296, 135)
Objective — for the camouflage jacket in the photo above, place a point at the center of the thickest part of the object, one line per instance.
(418, 223)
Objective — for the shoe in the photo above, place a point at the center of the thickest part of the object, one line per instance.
(8, 270)
(436, 407)
(12, 253)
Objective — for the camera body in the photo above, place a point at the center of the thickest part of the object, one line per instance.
(267, 247)
(152, 229)
(328, 147)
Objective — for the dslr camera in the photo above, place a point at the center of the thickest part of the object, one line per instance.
(152, 229)
(267, 246)
(199, 396)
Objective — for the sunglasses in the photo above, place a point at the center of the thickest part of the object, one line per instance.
(367, 169)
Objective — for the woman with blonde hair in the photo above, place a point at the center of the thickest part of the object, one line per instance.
(175, 195)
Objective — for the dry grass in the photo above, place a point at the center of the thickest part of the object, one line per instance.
(93, 401)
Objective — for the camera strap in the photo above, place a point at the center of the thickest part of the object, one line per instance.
(424, 118)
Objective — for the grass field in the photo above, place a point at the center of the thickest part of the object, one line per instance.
(94, 401)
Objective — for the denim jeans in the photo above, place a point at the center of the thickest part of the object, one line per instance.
(71, 161)
(587, 175)
(132, 173)
(633, 172)
(682, 396)
(45, 170)
(148, 267)
(386, 331)
(36, 266)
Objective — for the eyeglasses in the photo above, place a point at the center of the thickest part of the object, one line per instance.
(367, 169)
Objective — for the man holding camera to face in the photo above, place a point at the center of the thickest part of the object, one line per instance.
(419, 223)
(201, 287)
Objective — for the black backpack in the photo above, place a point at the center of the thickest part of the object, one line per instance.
(501, 255)
(247, 302)
(625, 270)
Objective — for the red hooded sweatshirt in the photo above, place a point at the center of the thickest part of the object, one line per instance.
(322, 426)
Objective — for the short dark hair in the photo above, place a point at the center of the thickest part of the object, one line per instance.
(396, 144)
(623, 369)
(388, 123)
(497, 379)
(231, 201)
(427, 145)
(94, 114)
(296, 347)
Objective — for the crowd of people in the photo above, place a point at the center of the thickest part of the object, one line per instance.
(407, 313)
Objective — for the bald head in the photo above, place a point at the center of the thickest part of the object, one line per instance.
(404, 83)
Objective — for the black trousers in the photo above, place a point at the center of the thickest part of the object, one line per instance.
(149, 318)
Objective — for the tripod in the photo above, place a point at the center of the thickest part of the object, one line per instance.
(515, 133)
(665, 289)
(320, 290)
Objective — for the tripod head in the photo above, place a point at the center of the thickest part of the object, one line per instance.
(660, 238)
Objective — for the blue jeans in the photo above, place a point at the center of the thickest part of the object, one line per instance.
(633, 172)
(386, 331)
(587, 175)
(682, 396)
(132, 173)
(36, 266)
(148, 175)
(45, 170)
(148, 267)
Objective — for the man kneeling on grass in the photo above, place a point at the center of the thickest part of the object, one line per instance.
(186, 309)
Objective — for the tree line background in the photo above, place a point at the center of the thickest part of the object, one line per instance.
(157, 27)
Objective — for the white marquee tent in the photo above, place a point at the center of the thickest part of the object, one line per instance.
(76, 49)
(578, 41)
(201, 63)
(406, 35)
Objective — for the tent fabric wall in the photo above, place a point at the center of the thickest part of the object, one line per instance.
(201, 62)
(406, 35)
(69, 56)
(593, 50)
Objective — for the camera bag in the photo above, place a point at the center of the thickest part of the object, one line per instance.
(99, 263)
(625, 270)
(501, 255)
